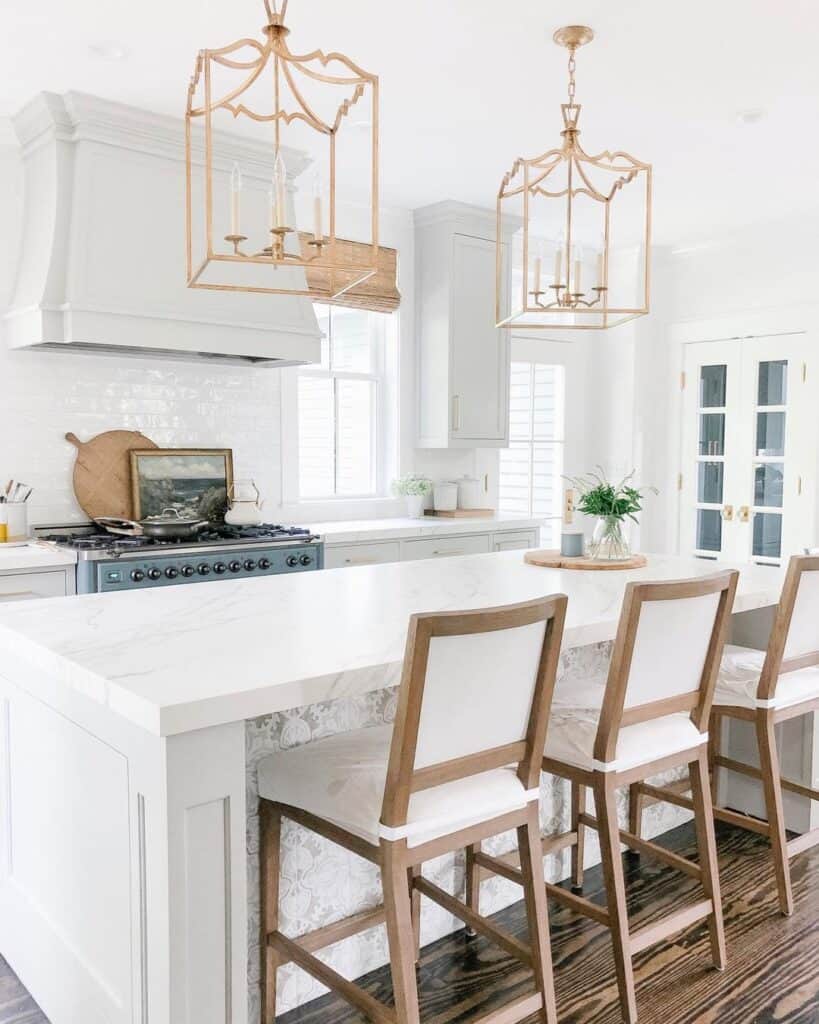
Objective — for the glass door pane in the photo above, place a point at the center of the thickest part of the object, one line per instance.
(714, 380)
(770, 415)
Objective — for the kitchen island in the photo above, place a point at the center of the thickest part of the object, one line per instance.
(130, 725)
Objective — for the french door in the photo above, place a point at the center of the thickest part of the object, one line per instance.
(748, 449)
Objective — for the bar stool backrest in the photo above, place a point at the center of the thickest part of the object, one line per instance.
(666, 654)
(475, 694)
(794, 641)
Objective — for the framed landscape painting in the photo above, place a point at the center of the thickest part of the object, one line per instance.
(194, 481)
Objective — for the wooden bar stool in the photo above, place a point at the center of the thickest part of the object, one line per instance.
(765, 688)
(651, 715)
(461, 764)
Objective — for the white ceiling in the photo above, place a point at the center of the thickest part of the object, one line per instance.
(468, 85)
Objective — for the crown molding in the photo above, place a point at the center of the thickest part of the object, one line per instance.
(79, 117)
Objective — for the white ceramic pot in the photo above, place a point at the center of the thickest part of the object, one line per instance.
(415, 506)
(469, 493)
(445, 496)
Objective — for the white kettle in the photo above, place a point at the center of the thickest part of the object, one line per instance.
(244, 504)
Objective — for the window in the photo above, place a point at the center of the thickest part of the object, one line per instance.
(340, 407)
(531, 467)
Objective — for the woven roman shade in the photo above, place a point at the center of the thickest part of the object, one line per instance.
(378, 293)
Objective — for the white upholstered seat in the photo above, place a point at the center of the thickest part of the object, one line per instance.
(341, 779)
(573, 729)
(739, 679)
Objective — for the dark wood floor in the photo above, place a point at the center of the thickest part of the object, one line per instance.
(772, 974)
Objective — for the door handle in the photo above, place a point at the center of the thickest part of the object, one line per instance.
(744, 514)
(727, 513)
(456, 412)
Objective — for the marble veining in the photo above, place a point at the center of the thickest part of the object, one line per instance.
(225, 651)
(321, 882)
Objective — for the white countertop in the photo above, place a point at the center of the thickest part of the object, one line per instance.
(182, 658)
(429, 526)
(33, 556)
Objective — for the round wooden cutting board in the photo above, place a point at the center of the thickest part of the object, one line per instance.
(102, 472)
(554, 560)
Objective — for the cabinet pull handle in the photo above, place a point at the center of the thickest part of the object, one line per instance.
(360, 561)
(445, 553)
(456, 412)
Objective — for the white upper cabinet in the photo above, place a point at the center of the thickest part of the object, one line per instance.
(463, 359)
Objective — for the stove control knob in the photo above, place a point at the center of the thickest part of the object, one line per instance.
(264, 563)
(250, 565)
(137, 575)
(187, 570)
(171, 572)
(235, 566)
(203, 569)
(292, 560)
(219, 567)
(154, 574)
(306, 560)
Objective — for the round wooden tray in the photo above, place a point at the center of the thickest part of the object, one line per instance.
(554, 560)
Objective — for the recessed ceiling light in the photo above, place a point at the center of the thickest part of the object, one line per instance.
(751, 116)
(109, 51)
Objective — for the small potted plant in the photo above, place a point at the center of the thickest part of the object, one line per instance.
(610, 504)
(414, 489)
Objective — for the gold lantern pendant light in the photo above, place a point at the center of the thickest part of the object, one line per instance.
(258, 117)
(574, 230)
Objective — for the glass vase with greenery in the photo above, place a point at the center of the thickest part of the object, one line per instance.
(610, 504)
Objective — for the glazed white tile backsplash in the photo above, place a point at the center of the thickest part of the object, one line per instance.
(176, 404)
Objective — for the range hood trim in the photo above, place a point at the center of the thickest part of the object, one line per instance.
(63, 139)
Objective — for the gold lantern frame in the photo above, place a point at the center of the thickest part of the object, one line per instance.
(327, 256)
(558, 303)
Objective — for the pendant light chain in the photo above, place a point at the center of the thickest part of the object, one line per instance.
(572, 68)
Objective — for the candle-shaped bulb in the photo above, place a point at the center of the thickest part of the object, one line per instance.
(279, 191)
(560, 245)
(601, 263)
(318, 223)
(235, 199)
(578, 270)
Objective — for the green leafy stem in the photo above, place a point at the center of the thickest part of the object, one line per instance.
(599, 497)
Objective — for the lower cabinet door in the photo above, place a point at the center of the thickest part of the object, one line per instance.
(446, 547)
(25, 586)
(340, 556)
(519, 541)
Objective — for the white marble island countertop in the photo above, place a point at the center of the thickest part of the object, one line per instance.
(182, 658)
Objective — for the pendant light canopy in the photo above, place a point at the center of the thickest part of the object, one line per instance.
(263, 201)
(574, 230)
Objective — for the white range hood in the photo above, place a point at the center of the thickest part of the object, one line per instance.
(102, 266)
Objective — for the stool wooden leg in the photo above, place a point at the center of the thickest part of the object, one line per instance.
(635, 809)
(400, 934)
(415, 903)
(537, 911)
(714, 751)
(605, 800)
(270, 824)
(769, 765)
(579, 848)
(473, 882)
(707, 846)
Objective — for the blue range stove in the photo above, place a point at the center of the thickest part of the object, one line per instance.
(108, 563)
